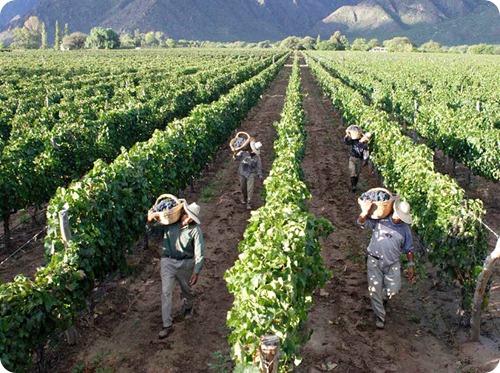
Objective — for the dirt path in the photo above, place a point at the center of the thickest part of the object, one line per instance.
(423, 332)
(122, 332)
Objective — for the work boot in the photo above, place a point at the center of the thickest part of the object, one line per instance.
(188, 313)
(354, 181)
(380, 324)
(165, 332)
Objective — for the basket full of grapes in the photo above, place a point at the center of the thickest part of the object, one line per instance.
(382, 202)
(240, 142)
(169, 207)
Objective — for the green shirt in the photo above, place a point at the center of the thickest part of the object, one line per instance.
(183, 243)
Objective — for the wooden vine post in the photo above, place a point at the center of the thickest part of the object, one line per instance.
(269, 350)
(72, 332)
(64, 225)
(482, 282)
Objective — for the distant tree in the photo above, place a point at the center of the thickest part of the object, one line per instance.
(2, 45)
(431, 47)
(339, 41)
(264, 44)
(308, 43)
(75, 40)
(372, 43)
(151, 40)
(57, 38)
(170, 43)
(318, 39)
(44, 37)
(291, 42)
(29, 36)
(360, 44)
(481, 49)
(326, 45)
(66, 30)
(161, 38)
(239, 44)
(458, 49)
(138, 38)
(399, 44)
(127, 41)
(103, 38)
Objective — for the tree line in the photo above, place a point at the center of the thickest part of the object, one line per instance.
(33, 35)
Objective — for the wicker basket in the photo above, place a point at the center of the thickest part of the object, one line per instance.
(170, 216)
(243, 135)
(382, 208)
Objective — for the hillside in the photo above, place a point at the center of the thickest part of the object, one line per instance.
(449, 22)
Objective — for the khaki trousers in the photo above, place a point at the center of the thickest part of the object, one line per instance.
(247, 185)
(172, 271)
(354, 167)
(383, 283)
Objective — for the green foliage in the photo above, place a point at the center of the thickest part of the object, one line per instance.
(280, 263)
(103, 38)
(57, 37)
(399, 44)
(449, 223)
(74, 41)
(106, 212)
(431, 47)
(29, 36)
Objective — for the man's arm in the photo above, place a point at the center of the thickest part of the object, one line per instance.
(199, 255)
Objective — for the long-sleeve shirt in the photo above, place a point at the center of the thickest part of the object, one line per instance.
(250, 165)
(389, 240)
(357, 147)
(183, 243)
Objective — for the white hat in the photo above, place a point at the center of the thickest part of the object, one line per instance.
(366, 137)
(193, 210)
(402, 210)
(256, 147)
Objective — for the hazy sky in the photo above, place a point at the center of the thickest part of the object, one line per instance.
(496, 2)
(3, 2)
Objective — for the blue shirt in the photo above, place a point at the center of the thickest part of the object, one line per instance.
(389, 240)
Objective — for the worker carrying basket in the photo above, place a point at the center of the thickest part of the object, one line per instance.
(169, 207)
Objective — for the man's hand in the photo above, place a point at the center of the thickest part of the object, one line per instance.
(366, 206)
(194, 279)
(411, 274)
(153, 215)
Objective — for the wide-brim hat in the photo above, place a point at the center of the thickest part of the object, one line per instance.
(402, 210)
(366, 137)
(256, 147)
(193, 210)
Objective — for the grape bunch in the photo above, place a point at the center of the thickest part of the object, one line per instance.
(375, 196)
(238, 142)
(166, 204)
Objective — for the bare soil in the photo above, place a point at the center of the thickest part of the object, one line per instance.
(425, 330)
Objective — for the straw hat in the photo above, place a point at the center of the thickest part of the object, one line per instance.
(402, 210)
(193, 210)
(256, 147)
(366, 137)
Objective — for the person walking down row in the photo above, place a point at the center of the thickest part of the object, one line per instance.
(181, 260)
(358, 152)
(391, 237)
(250, 167)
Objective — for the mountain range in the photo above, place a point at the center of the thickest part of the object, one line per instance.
(449, 22)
